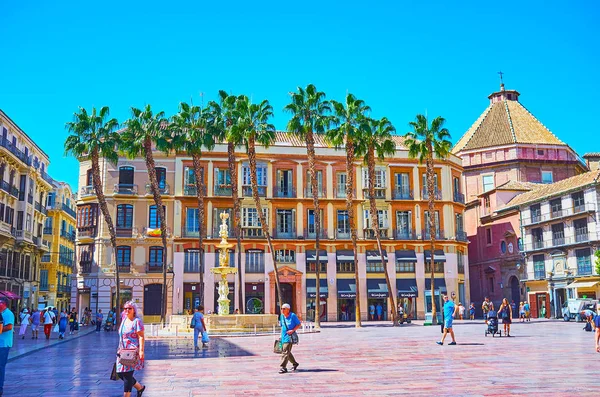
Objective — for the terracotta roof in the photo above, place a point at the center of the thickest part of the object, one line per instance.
(554, 189)
(518, 185)
(503, 123)
(591, 155)
(283, 138)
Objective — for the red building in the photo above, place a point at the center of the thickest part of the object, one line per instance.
(506, 152)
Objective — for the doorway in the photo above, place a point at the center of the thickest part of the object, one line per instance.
(515, 290)
(152, 299)
(287, 294)
(347, 309)
(378, 309)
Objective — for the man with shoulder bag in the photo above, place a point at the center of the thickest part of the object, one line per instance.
(289, 324)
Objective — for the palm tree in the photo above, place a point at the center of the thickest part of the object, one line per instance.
(310, 116)
(190, 135)
(376, 140)
(93, 136)
(221, 118)
(348, 117)
(253, 126)
(424, 142)
(142, 131)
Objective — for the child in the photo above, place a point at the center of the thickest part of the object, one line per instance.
(472, 311)
(522, 312)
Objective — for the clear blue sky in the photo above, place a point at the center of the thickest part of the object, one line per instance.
(402, 57)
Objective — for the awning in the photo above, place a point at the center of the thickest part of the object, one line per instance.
(311, 256)
(406, 256)
(407, 288)
(10, 295)
(311, 288)
(346, 288)
(344, 255)
(583, 284)
(439, 283)
(377, 288)
(437, 257)
(373, 256)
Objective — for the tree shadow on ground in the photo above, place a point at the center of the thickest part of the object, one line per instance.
(317, 370)
(184, 348)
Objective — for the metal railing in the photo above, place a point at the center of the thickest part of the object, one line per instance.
(67, 235)
(459, 198)
(311, 233)
(308, 192)
(561, 241)
(222, 190)
(461, 235)
(165, 189)
(190, 190)
(402, 194)
(216, 230)
(154, 267)
(126, 232)
(284, 192)
(405, 234)
(126, 188)
(247, 191)
(46, 177)
(5, 143)
(191, 233)
(89, 231)
(371, 235)
(47, 230)
(437, 194)
(343, 234)
(378, 193)
(539, 217)
(85, 267)
(340, 192)
(439, 235)
(279, 234)
(252, 233)
(87, 191)
(124, 267)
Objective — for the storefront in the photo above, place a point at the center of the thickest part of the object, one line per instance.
(585, 288)
(377, 298)
(231, 296)
(255, 298)
(191, 297)
(439, 285)
(407, 296)
(346, 290)
(311, 294)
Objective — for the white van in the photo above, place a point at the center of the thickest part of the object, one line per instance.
(572, 307)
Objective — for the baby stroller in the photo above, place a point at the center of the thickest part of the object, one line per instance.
(492, 324)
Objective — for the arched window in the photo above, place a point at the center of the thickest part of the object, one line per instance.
(125, 216)
(153, 218)
(161, 176)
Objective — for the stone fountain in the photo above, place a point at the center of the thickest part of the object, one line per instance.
(223, 269)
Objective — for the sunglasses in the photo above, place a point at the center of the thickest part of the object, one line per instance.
(129, 308)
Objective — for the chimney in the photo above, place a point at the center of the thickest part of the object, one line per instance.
(592, 160)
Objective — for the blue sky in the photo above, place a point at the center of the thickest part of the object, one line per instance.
(402, 57)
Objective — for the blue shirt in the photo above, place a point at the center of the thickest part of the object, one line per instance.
(588, 313)
(379, 309)
(449, 309)
(197, 318)
(597, 321)
(291, 322)
(6, 337)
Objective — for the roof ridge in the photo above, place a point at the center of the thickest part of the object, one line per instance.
(542, 124)
(510, 123)
(474, 127)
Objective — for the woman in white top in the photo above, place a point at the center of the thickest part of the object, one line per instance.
(25, 316)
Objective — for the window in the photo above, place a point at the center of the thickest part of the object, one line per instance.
(343, 224)
(547, 177)
(123, 256)
(488, 236)
(424, 181)
(286, 222)
(261, 175)
(191, 260)
(125, 216)
(438, 267)
(284, 183)
(558, 234)
(578, 201)
(503, 247)
(536, 213)
(341, 180)
(402, 183)
(520, 243)
(345, 262)
(155, 257)
(556, 207)
(540, 152)
(285, 256)
(222, 177)
(459, 222)
(126, 175)
(311, 221)
(44, 280)
(231, 259)
(192, 224)
(28, 222)
(405, 266)
(427, 224)
(255, 261)
(404, 224)
(250, 217)
(539, 267)
(488, 183)
(86, 215)
(153, 218)
(584, 262)
(374, 267)
(581, 230)
(491, 282)
(161, 177)
(460, 258)
(89, 177)
(382, 216)
(380, 178)
(319, 174)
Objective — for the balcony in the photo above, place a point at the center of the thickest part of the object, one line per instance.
(191, 233)
(44, 244)
(252, 233)
(216, 230)
(279, 234)
(62, 207)
(370, 234)
(308, 192)
(165, 189)
(44, 287)
(379, 193)
(247, 191)
(461, 236)
(155, 232)
(311, 233)
(284, 192)
(124, 267)
(580, 237)
(405, 234)
(46, 258)
(340, 192)
(30, 198)
(14, 191)
(539, 217)
(35, 240)
(439, 235)
(23, 235)
(459, 198)
(124, 232)
(85, 267)
(5, 143)
(437, 194)
(126, 189)
(154, 267)
(190, 190)
(5, 228)
(67, 235)
(87, 191)
(222, 190)
(87, 232)
(63, 288)
(343, 234)
(47, 230)
(46, 177)
(402, 194)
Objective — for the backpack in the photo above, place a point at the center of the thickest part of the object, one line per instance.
(588, 327)
(485, 306)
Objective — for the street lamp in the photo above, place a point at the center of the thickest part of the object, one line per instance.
(550, 274)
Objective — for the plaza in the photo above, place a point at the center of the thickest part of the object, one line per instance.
(545, 357)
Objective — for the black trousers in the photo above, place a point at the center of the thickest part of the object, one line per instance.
(128, 380)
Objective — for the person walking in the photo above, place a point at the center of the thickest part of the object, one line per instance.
(372, 311)
(73, 321)
(597, 324)
(49, 320)
(62, 324)
(449, 311)
(522, 312)
(505, 313)
(379, 310)
(472, 311)
(289, 324)
(199, 326)
(25, 316)
(7, 323)
(35, 323)
(461, 310)
(486, 306)
(99, 318)
(131, 336)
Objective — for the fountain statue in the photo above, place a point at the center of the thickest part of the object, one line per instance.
(223, 269)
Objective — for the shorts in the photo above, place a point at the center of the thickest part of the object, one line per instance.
(506, 320)
(34, 327)
(448, 323)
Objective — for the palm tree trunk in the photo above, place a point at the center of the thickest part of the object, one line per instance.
(351, 221)
(431, 208)
(236, 218)
(375, 225)
(107, 218)
(263, 220)
(161, 216)
(200, 197)
(310, 151)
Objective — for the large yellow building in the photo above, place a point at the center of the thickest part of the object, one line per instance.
(282, 176)
(57, 265)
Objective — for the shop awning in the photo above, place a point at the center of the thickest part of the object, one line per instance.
(10, 295)
(344, 255)
(311, 256)
(311, 288)
(346, 288)
(406, 256)
(439, 283)
(438, 256)
(583, 284)
(377, 288)
(373, 256)
(407, 288)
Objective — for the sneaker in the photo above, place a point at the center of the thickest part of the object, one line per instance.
(451, 343)
(204, 346)
(139, 392)
(196, 348)
(439, 343)
(295, 367)
(283, 370)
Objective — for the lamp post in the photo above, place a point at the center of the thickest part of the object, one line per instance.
(552, 300)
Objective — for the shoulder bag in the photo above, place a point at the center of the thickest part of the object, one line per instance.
(193, 322)
(128, 357)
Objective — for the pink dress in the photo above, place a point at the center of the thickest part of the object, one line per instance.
(128, 338)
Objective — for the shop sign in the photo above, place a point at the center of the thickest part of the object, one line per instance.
(378, 294)
(347, 295)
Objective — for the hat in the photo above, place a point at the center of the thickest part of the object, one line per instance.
(25, 311)
(285, 306)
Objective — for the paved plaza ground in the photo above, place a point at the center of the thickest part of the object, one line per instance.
(543, 358)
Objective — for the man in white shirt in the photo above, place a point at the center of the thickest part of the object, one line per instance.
(49, 320)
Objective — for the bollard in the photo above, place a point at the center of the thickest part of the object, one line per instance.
(176, 331)
(255, 329)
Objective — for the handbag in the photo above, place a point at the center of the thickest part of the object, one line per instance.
(126, 356)
(193, 323)
(113, 373)
(205, 338)
(293, 337)
(278, 347)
